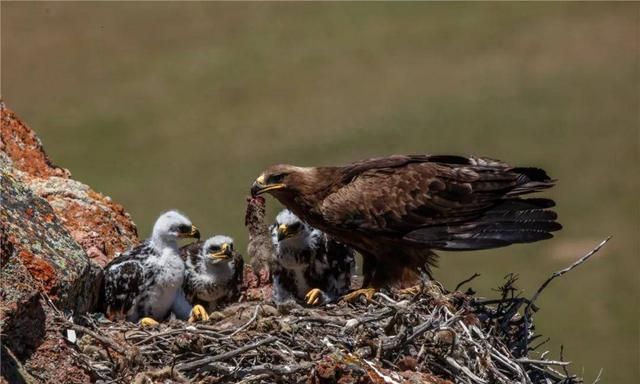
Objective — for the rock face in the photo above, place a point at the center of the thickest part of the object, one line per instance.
(55, 234)
(99, 225)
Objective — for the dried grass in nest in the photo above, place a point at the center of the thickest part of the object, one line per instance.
(433, 336)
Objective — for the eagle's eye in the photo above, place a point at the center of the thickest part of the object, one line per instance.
(276, 178)
(182, 228)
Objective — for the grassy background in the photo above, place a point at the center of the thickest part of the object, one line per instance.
(182, 105)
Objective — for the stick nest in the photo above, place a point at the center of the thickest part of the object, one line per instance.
(432, 336)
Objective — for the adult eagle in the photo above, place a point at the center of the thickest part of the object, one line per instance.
(396, 210)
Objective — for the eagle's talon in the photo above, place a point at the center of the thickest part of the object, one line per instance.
(314, 296)
(198, 313)
(412, 291)
(148, 322)
(366, 292)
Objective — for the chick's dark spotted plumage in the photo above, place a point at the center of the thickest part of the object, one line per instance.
(213, 272)
(306, 259)
(146, 281)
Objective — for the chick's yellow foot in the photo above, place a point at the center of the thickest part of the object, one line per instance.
(314, 296)
(367, 292)
(198, 313)
(148, 322)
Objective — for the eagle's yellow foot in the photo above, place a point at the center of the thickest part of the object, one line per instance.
(148, 322)
(198, 313)
(411, 290)
(367, 292)
(314, 296)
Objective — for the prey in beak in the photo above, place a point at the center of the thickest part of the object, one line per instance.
(186, 232)
(265, 184)
(224, 252)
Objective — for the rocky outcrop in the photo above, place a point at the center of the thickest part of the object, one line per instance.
(100, 226)
(55, 234)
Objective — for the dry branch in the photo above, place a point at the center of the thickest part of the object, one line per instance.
(567, 269)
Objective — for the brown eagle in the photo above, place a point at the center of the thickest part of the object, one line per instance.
(396, 210)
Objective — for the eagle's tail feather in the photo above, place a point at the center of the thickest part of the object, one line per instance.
(530, 180)
(512, 221)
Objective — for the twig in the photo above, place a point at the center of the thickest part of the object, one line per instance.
(107, 342)
(464, 370)
(322, 320)
(565, 270)
(566, 372)
(253, 318)
(277, 370)
(224, 356)
(463, 282)
(598, 377)
(161, 334)
(543, 362)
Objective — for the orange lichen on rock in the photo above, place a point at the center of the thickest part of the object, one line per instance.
(40, 269)
(25, 149)
(102, 228)
(99, 225)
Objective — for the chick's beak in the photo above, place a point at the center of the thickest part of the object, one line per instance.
(282, 232)
(225, 252)
(194, 233)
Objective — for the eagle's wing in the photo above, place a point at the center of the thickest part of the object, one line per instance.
(123, 279)
(443, 202)
(190, 254)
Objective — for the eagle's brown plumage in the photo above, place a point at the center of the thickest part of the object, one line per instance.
(396, 210)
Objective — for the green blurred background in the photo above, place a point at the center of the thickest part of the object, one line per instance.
(163, 105)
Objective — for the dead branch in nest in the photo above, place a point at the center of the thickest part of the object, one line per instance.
(225, 356)
(565, 270)
(465, 281)
(242, 328)
(107, 342)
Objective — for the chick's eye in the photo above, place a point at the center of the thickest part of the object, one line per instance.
(294, 227)
(214, 248)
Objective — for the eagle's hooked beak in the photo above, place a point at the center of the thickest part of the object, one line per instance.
(193, 233)
(260, 186)
(225, 252)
